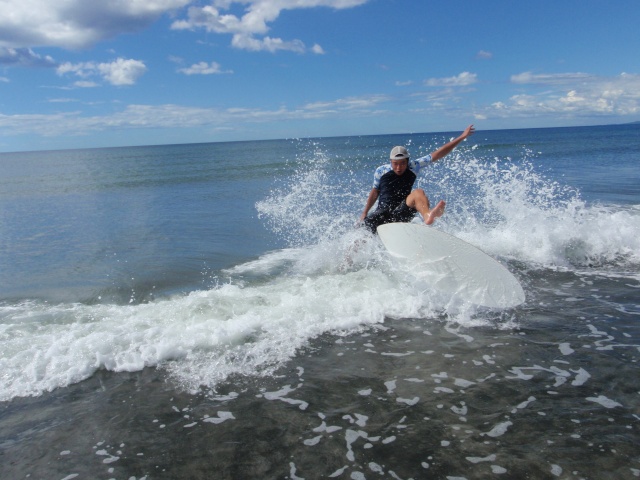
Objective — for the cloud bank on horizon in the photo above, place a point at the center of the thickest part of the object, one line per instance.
(144, 71)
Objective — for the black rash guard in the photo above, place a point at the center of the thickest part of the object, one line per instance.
(393, 190)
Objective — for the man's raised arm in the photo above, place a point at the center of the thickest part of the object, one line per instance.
(448, 147)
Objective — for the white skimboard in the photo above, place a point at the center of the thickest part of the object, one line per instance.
(453, 265)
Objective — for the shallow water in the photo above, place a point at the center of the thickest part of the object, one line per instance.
(406, 399)
(164, 315)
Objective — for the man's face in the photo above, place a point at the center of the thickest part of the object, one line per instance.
(399, 166)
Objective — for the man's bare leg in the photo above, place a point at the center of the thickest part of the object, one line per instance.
(437, 212)
(418, 200)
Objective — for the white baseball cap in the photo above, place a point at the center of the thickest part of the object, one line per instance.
(399, 153)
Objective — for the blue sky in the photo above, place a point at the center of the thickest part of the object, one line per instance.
(77, 74)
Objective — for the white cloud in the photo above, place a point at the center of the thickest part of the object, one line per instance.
(85, 84)
(268, 44)
(80, 69)
(572, 95)
(24, 57)
(549, 79)
(119, 72)
(175, 59)
(317, 49)
(122, 72)
(484, 55)
(601, 97)
(462, 80)
(349, 103)
(177, 116)
(75, 23)
(204, 68)
(62, 100)
(255, 21)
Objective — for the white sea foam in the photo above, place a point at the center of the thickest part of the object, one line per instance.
(499, 429)
(514, 211)
(222, 417)
(488, 458)
(200, 338)
(604, 401)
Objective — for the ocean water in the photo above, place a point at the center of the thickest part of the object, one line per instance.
(211, 311)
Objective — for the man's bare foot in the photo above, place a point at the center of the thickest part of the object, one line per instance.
(435, 212)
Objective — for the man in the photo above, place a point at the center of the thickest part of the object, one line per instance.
(393, 183)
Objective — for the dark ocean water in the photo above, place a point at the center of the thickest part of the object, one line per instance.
(198, 311)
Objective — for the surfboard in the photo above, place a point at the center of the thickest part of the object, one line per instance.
(452, 265)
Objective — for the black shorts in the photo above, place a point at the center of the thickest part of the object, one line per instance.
(402, 213)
